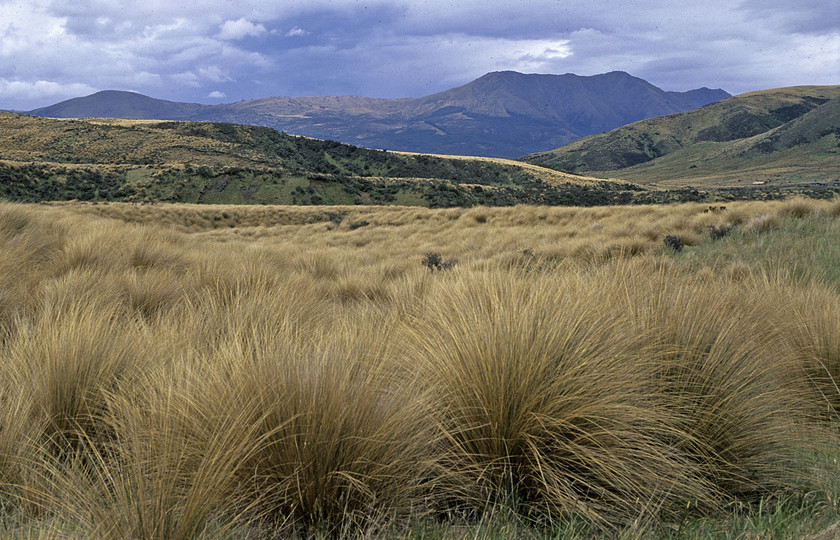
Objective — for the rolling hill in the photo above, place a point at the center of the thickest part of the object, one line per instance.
(44, 159)
(502, 114)
(785, 136)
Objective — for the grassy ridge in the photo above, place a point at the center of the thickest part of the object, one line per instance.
(309, 371)
(194, 162)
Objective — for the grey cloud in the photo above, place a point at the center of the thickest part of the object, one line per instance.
(802, 16)
(253, 48)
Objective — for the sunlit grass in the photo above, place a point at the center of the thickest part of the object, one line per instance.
(300, 374)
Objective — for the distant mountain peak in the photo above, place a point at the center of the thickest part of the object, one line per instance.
(500, 114)
(120, 104)
(118, 93)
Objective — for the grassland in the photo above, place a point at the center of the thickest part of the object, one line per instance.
(194, 371)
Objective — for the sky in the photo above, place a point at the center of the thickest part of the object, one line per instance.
(222, 51)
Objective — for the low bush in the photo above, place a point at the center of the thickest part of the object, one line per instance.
(435, 262)
(716, 232)
(673, 242)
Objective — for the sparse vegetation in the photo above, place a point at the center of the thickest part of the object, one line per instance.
(189, 371)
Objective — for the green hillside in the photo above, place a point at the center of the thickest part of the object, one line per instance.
(203, 162)
(781, 137)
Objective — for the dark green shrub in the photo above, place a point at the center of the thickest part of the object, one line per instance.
(716, 232)
(674, 242)
(434, 262)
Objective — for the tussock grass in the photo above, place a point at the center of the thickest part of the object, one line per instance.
(729, 370)
(347, 444)
(546, 399)
(65, 363)
(169, 470)
(813, 324)
(800, 207)
(290, 376)
(834, 207)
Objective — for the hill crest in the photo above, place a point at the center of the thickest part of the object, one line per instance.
(786, 136)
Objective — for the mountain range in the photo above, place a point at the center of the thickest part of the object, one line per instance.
(783, 136)
(502, 114)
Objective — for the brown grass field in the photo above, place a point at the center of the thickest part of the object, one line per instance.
(185, 371)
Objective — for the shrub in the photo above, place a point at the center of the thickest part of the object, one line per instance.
(358, 225)
(434, 262)
(674, 242)
(716, 232)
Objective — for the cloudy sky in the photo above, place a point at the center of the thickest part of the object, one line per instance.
(218, 51)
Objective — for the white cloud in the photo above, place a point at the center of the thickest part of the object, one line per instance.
(239, 29)
(23, 28)
(13, 90)
(296, 32)
(215, 94)
(214, 73)
(186, 79)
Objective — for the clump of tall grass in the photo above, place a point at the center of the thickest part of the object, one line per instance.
(58, 369)
(834, 206)
(546, 400)
(340, 440)
(29, 248)
(813, 329)
(733, 380)
(346, 442)
(800, 207)
(15, 434)
(170, 469)
(65, 362)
